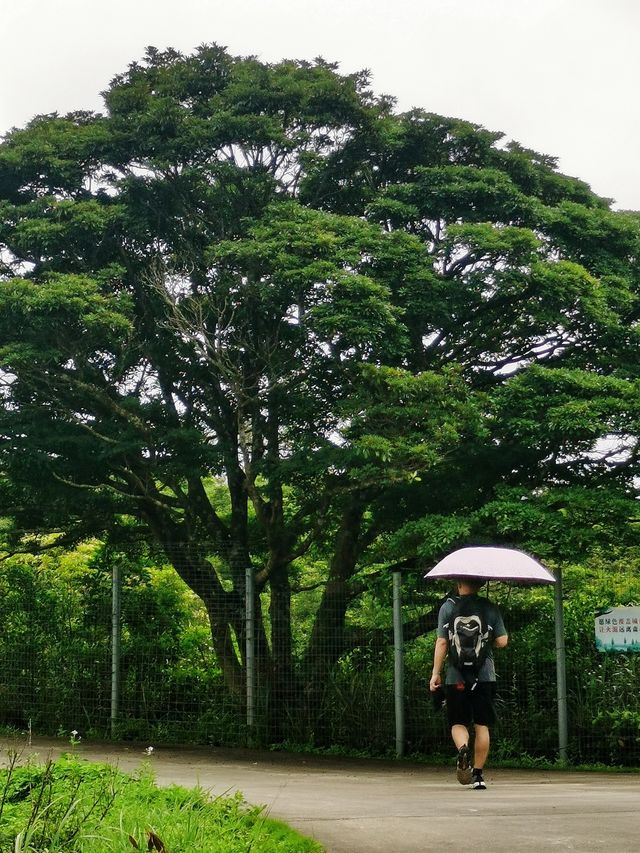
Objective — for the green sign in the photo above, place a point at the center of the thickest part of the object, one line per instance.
(618, 630)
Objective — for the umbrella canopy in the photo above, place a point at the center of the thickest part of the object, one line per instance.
(491, 563)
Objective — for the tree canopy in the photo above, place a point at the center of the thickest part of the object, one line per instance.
(252, 313)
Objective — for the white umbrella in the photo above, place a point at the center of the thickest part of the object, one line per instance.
(491, 563)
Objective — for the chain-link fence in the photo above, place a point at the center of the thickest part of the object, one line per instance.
(333, 683)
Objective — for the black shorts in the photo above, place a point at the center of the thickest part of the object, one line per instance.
(466, 706)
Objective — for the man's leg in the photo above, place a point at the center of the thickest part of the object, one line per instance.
(484, 716)
(459, 714)
(481, 749)
(460, 735)
(480, 754)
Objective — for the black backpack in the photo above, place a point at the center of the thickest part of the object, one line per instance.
(470, 636)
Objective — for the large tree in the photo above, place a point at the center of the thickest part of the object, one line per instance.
(252, 313)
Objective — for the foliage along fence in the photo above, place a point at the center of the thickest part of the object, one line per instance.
(55, 662)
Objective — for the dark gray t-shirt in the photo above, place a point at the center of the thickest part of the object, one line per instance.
(494, 619)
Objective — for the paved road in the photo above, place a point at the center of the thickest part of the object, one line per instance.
(371, 807)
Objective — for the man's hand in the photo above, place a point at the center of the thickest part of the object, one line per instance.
(435, 682)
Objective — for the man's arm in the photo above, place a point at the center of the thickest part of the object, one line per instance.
(502, 638)
(439, 655)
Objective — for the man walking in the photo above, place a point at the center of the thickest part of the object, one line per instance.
(469, 627)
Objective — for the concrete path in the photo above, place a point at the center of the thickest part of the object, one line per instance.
(375, 807)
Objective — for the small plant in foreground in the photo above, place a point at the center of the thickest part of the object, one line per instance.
(73, 806)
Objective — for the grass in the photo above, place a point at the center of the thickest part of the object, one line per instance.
(74, 806)
(501, 758)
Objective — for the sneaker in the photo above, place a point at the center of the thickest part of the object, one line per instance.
(463, 770)
(478, 781)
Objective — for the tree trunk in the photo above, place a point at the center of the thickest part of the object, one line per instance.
(327, 642)
(284, 693)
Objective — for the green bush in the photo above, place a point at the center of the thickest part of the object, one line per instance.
(69, 806)
(617, 735)
(55, 649)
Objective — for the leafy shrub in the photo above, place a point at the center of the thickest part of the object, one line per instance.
(77, 807)
(617, 735)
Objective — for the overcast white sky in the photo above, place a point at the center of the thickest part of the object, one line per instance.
(560, 76)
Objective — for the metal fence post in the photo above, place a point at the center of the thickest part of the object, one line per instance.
(398, 669)
(250, 598)
(116, 609)
(561, 670)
